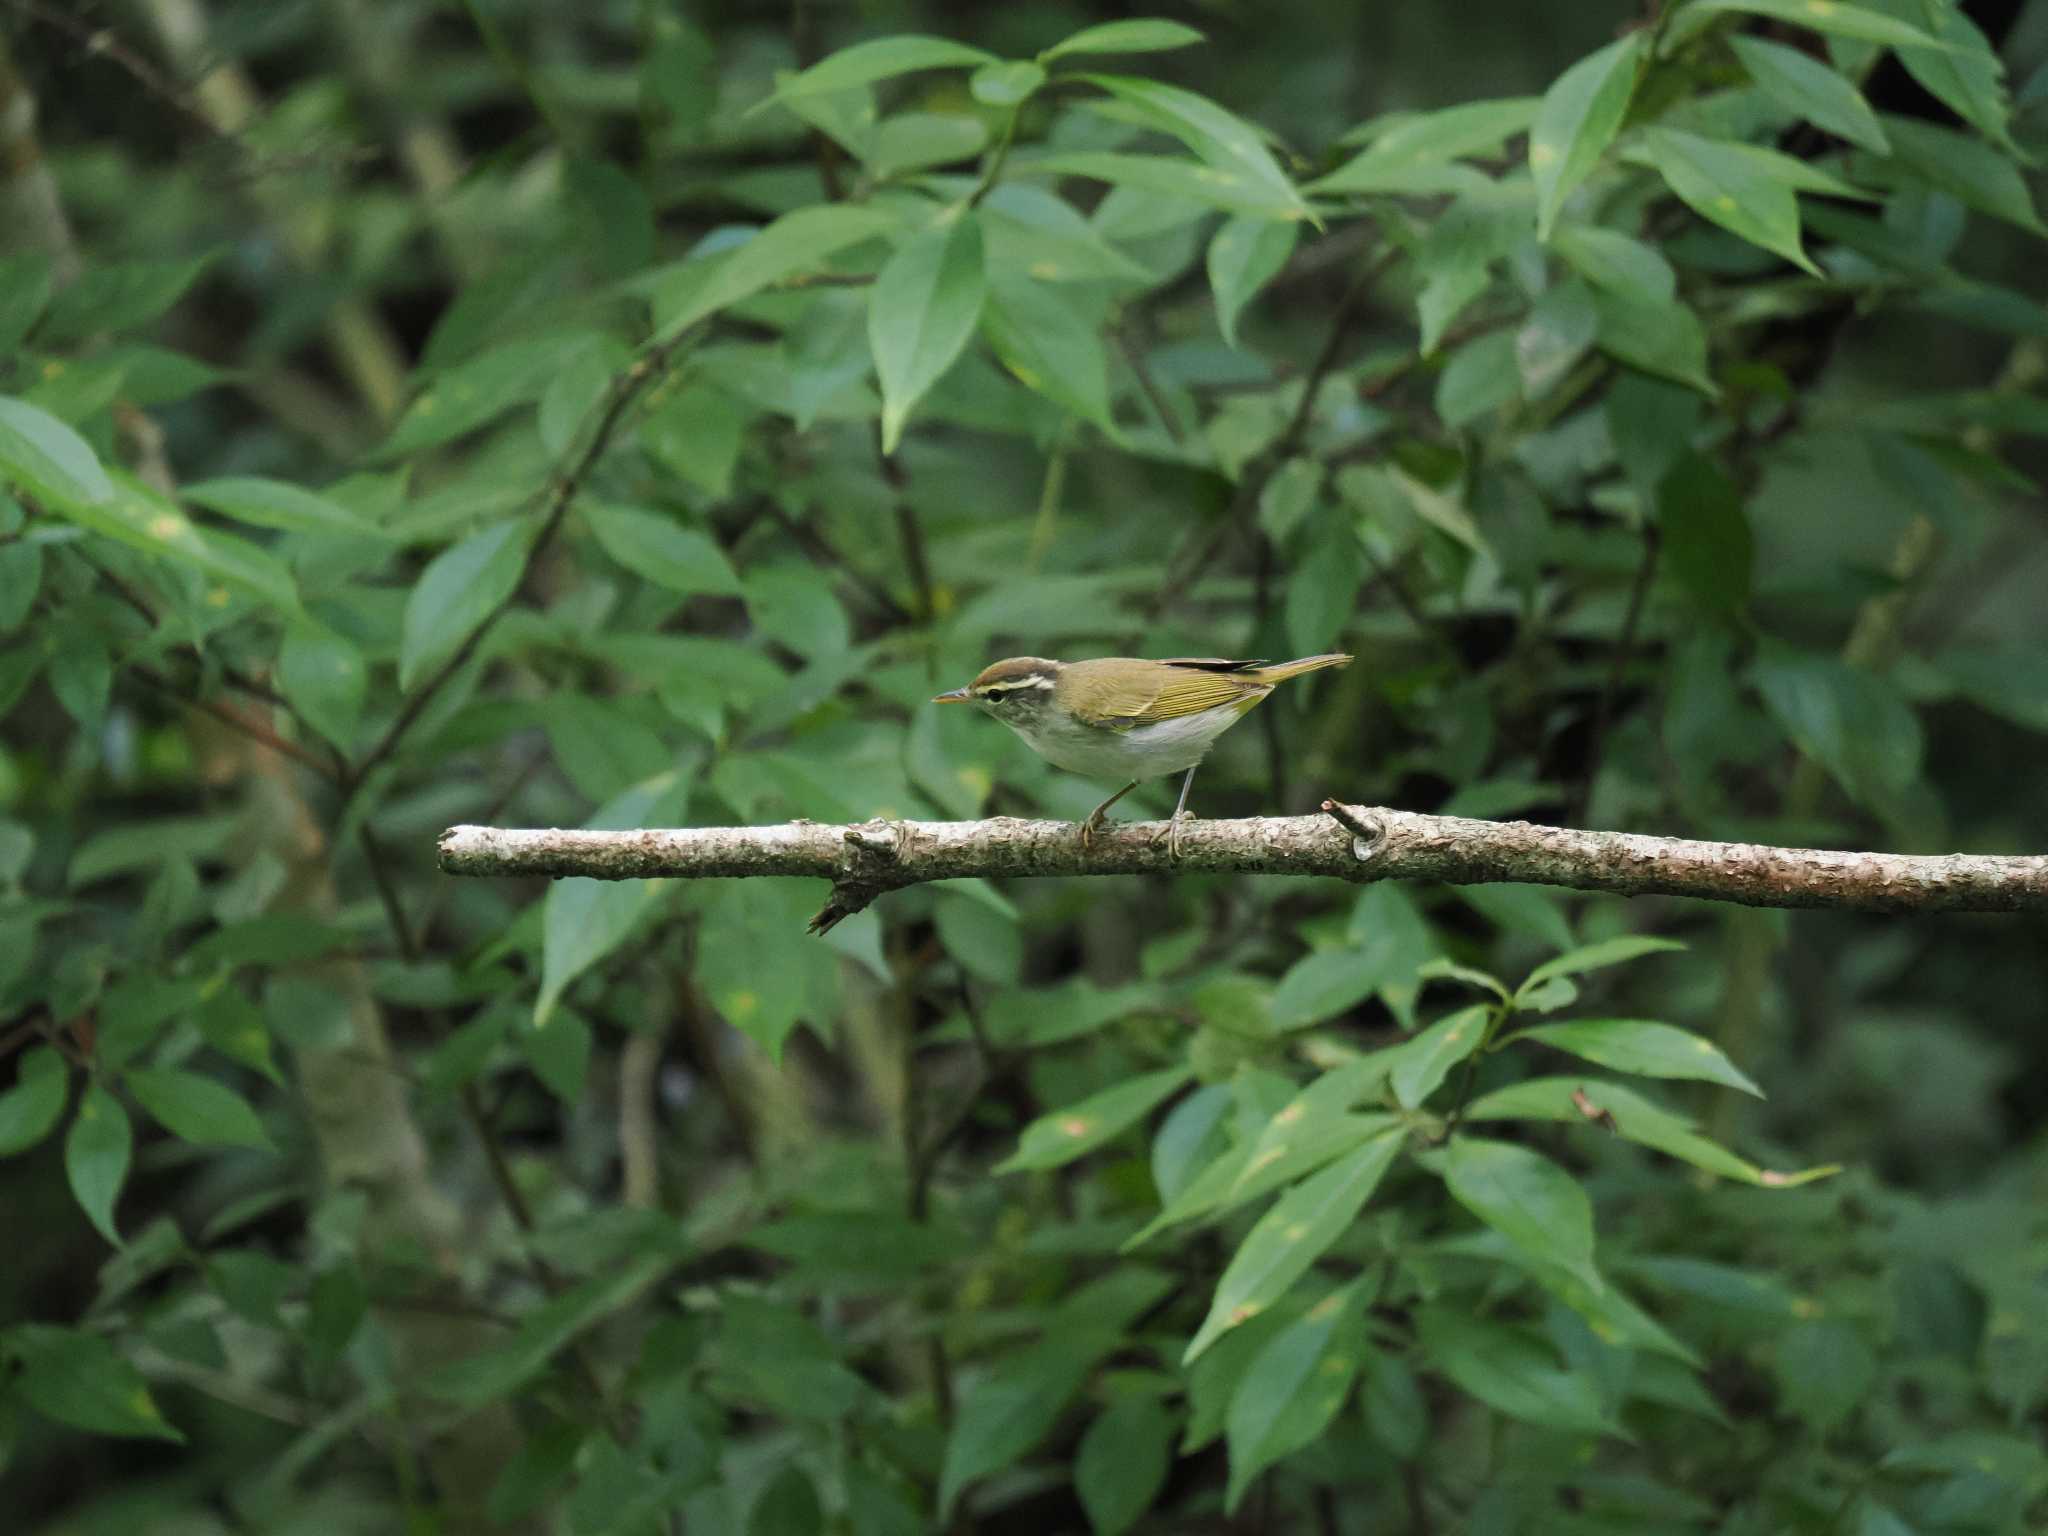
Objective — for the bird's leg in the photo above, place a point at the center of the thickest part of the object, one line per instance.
(1094, 821)
(1179, 815)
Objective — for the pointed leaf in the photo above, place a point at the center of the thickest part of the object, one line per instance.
(1224, 141)
(1966, 168)
(1599, 955)
(1511, 1371)
(1421, 1064)
(1141, 36)
(655, 545)
(1123, 1462)
(1966, 73)
(195, 1108)
(457, 591)
(1008, 1410)
(78, 1379)
(799, 241)
(1841, 18)
(1720, 182)
(96, 1154)
(324, 677)
(1801, 83)
(278, 504)
(1244, 255)
(1646, 1048)
(1295, 1386)
(882, 59)
(925, 305)
(1290, 1237)
(1579, 117)
(1056, 1139)
(1526, 1198)
(29, 1110)
(46, 458)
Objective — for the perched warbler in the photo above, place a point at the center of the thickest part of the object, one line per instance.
(1124, 717)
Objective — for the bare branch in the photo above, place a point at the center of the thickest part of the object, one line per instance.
(1357, 843)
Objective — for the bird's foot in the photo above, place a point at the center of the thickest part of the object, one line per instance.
(1088, 830)
(1173, 830)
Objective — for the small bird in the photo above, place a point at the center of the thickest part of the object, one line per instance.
(1125, 717)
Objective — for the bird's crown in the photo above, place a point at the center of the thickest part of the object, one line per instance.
(1004, 678)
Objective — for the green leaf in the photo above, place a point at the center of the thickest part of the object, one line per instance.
(1225, 142)
(1479, 379)
(584, 920)
(144, 518)
(1707, 547)
(1617, 263)
(1565, 1100)
(1395, 1412)
(882, 59)
(1561, 329)
(1244, 255)
(117, 296)
(1190, 180)
(1122, 1463)
(1058, 1138)
(276, 504)
(458, 590)
(926, 303)
(1451, 133)
(1050, 347)
(25, 287)
(472, 394)
(78, 1379)
(1966, 73)
(1009, 1409)
(96, 1154)
(1966, 168)
(1510, 1371)
(1727, 184)
(144, 845)
(1291, 1236)
(1528, 1199)
(81, 674)
(1580, 115)
(1662, 337)
(1842, 18)
(1322, 985)
(655, 545)
(30, 1109)
(195, 1108)
(1802, 84)
(1645, 1048)
(324, 677)
(1420, 1065)
(1295, 1386)
(1006, 85)
(1852, 722)
(1141, 36)
(797, 242)
(1598, 956)
(1826, 1371)
(914, 141)
(44, 457)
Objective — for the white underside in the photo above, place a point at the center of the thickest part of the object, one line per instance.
(1142, 752)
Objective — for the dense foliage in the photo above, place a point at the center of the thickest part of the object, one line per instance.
(631, 414)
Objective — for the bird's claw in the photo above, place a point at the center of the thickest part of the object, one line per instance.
(1088, 831)
(1173, 830)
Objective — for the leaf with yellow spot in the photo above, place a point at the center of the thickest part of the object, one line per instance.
(1580, 115)
(1058, 1138)
(1295, 1385)
(1290, 1237)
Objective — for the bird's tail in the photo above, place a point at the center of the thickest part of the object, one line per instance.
(1280, 671)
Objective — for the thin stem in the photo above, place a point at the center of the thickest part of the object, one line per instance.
(994, 165)
(560, 495)
(908, 529)
(1617, 672)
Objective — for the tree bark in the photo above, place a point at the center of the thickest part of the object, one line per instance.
(1356, 843)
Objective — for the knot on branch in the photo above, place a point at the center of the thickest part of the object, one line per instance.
(868, 868)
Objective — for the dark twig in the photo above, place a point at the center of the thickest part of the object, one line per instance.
(1244, 503)
(559, 496)
(908, 529)
(1617, 672)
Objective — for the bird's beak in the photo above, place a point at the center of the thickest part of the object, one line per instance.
(955, 696)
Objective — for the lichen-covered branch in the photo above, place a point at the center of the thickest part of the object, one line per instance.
(1358, 843)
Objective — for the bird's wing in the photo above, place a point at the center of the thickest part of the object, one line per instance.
(1182, 693)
